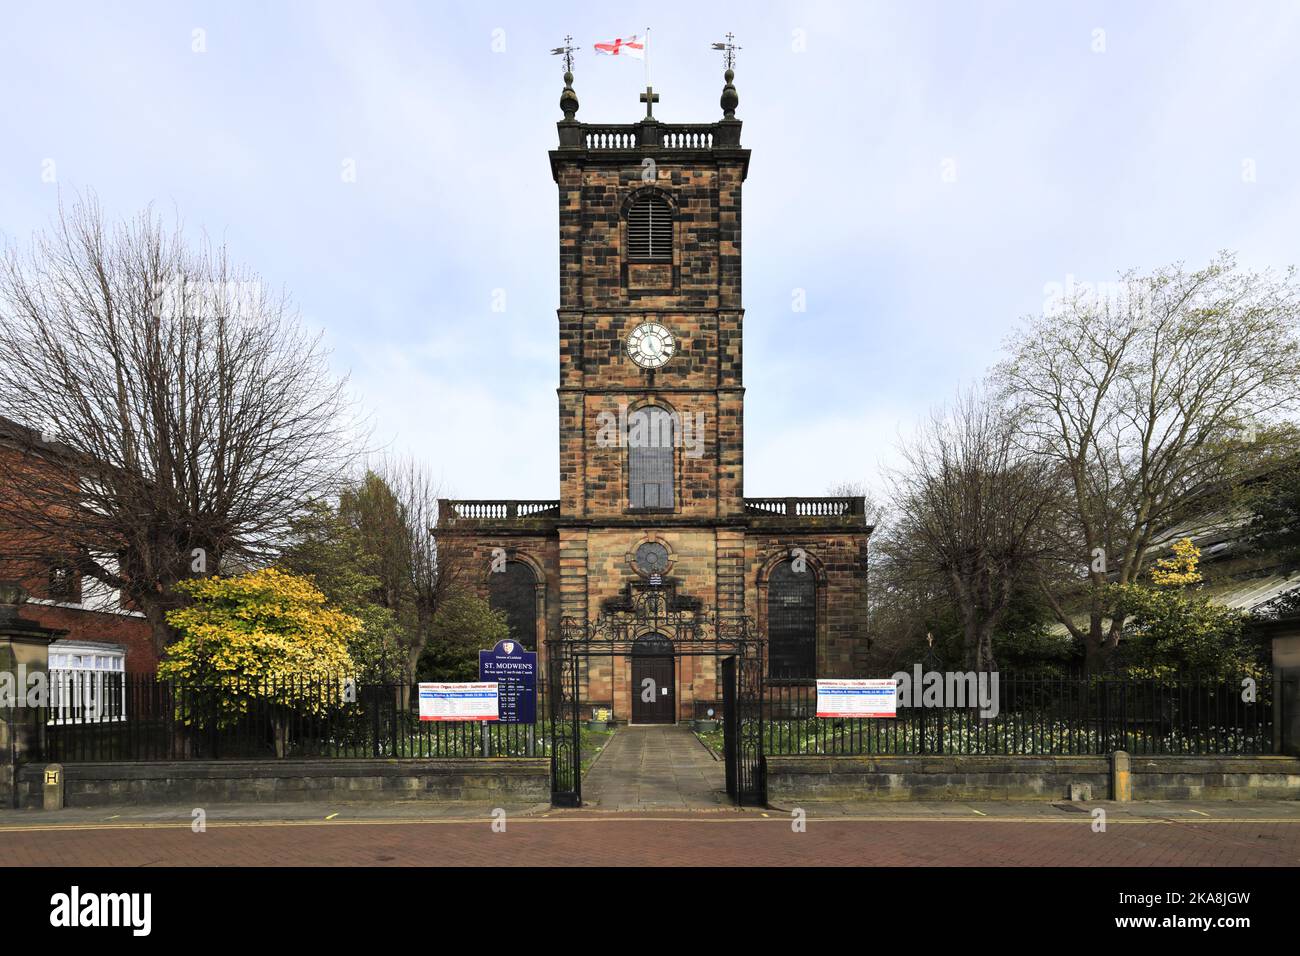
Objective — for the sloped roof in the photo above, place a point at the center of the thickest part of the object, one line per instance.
(1250, 593)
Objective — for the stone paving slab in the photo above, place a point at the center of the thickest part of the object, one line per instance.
(656, 768)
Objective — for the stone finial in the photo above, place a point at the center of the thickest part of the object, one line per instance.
(12, 596)
(730, 98)
(12, 593)
(568, 99)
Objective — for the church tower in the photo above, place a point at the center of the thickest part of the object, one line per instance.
(651, 434)
(650, 319)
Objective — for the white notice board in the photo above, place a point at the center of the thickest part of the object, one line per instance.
(857, 698)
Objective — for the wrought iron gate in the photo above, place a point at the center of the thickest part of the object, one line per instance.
(564, 730)
(742, 729)
(654, 610)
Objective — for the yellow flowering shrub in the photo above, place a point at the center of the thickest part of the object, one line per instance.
(262, 635)
(1179, 570)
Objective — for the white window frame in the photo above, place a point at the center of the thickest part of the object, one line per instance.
(76, 671)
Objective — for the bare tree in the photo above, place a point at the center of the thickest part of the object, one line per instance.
(1143, 399)
(872, 508)
(181, 416)
(395, 508)
(969, 516)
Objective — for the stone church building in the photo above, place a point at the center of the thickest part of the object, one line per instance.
(651, 434)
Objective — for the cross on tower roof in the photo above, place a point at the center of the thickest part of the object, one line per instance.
(649, 98)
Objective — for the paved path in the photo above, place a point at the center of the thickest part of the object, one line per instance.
(655, 768)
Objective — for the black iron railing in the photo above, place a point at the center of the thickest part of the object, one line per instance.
(1041, 716)
(143, 717)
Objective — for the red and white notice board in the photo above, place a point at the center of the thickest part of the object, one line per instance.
(475, 700)
(857, 698)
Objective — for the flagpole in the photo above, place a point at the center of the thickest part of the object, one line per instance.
(647, 58)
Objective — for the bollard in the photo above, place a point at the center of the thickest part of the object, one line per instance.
(1121, 781)
(52, 790)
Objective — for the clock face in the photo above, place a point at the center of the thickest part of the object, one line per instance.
(650, 345)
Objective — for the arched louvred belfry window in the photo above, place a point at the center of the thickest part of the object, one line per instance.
(650, 229)
(514, 591)
(650, 442)
(791, 622)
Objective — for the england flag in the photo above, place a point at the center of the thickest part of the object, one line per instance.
(632, 46)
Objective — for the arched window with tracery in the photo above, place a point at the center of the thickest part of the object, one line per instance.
(651, 438)
(514, 592)
(791, 622)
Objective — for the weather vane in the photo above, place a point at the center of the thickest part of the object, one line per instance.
(567, 52)
(729, 48)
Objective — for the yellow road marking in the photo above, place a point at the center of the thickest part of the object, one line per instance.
(477, 821)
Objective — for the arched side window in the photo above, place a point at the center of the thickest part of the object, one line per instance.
(651, 433)
(514, 591)
(791, 622)
(650, 229)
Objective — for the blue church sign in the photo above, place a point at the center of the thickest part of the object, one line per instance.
(515, 671)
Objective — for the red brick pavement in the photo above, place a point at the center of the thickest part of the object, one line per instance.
(645, 841)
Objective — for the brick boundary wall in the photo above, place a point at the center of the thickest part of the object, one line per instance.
(791, 780)
(518, 780)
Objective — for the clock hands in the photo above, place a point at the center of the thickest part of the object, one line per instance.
(650, 345)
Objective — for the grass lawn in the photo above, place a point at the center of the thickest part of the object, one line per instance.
(592, 742)
(712, 738)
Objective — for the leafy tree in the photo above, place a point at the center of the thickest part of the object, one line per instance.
(1140, 400)
(256, 635)
(464, 625)
(327, 548)
(1025, 640)
(372, 553)
(1172, 627)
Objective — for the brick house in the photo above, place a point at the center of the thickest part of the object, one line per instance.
(102, 632)
(651, 432)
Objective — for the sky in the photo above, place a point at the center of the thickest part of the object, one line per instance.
(922, 174)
